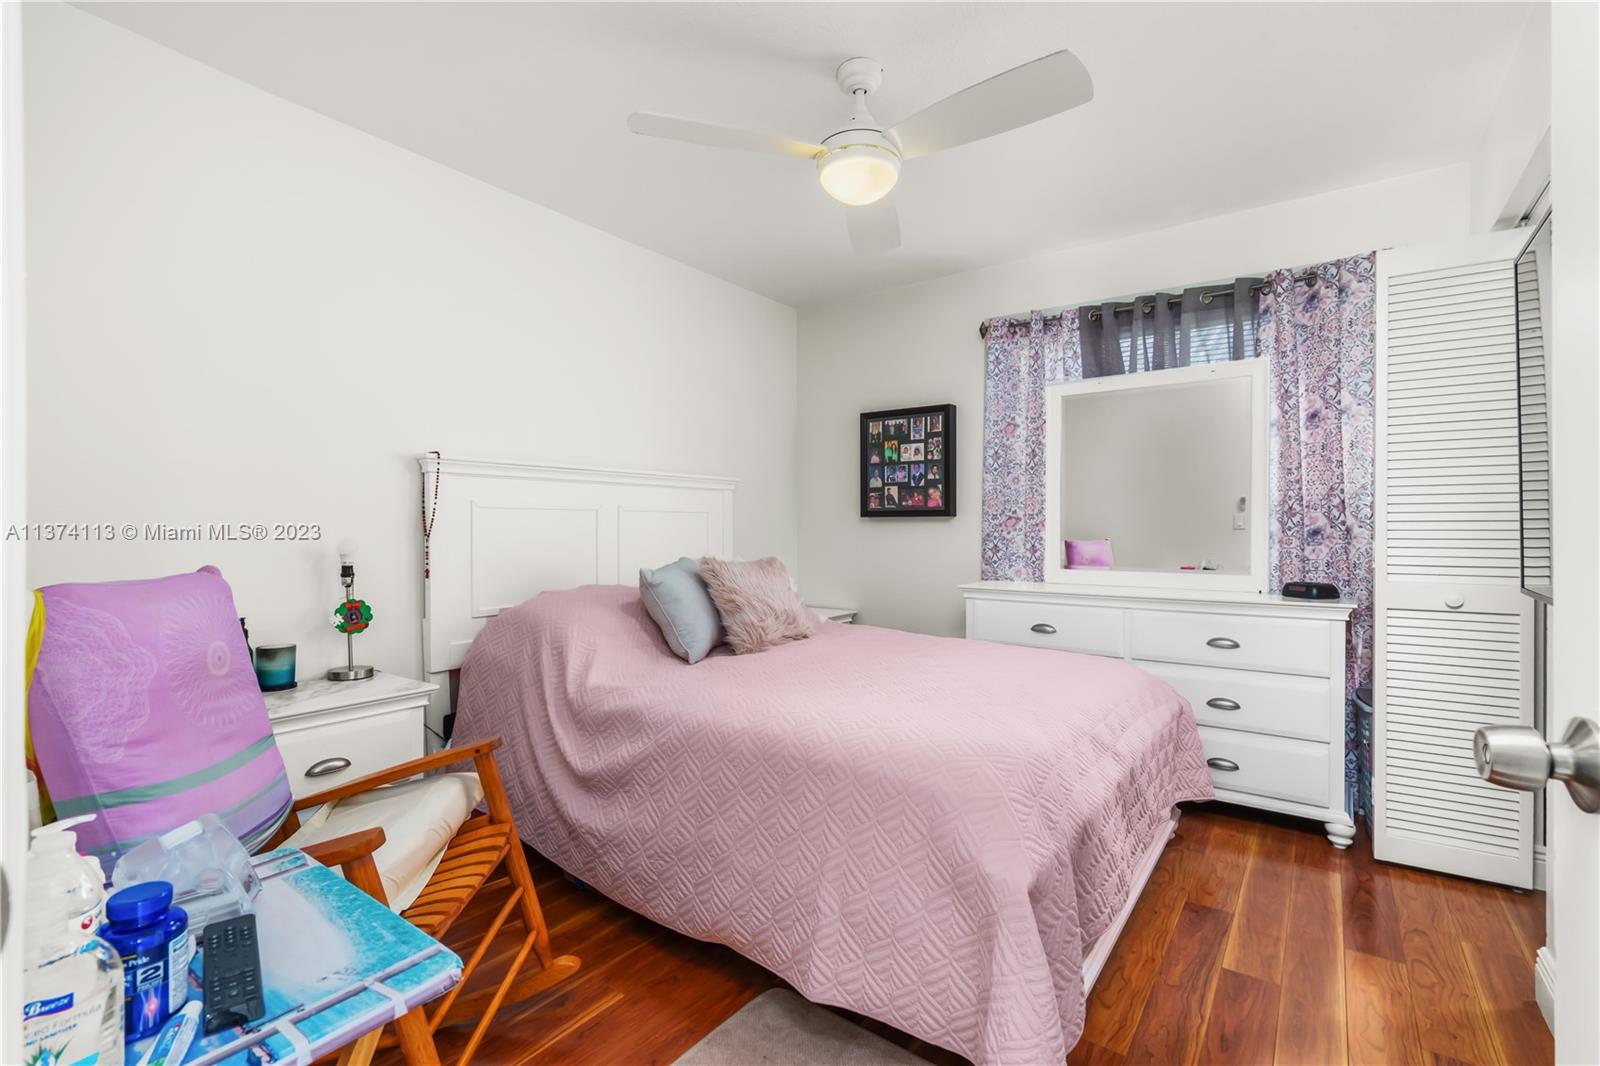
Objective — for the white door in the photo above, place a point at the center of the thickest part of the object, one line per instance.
(1453, 646)
(1573, 934)
(1568, 971)
(13, 575)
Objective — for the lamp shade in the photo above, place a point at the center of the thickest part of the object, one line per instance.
(858, 174)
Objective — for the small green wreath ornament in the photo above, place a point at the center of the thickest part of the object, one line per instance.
(352, 616)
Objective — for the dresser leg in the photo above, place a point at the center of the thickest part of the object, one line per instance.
(1340, 834)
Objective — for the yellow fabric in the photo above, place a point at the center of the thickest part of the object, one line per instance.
(35, 639)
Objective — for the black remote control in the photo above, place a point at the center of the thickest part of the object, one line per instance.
(232, 971)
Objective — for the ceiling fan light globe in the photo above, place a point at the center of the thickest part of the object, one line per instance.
(858, 174)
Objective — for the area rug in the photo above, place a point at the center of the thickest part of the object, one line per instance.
(779, 1028)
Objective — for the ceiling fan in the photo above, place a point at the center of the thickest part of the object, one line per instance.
(859, 163)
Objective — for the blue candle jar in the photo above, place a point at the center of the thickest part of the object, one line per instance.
(152, 936)
(275, 667)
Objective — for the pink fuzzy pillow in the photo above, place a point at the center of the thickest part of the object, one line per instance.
(758, 606)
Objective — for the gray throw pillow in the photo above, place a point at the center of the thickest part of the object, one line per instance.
(678, 602)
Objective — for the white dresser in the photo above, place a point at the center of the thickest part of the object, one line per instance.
(330, 732)
(1264, 675)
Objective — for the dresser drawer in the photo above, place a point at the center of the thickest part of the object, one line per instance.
(1065, 627)
(1295, 770)
(1280, 704)
(1288, 645)
(368, 742)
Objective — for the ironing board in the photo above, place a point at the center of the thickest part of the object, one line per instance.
(335, 964)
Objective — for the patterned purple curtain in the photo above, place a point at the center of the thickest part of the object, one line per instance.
(1320, 338)
(1023, 359)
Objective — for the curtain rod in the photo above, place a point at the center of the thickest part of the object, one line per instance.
(1205, 297)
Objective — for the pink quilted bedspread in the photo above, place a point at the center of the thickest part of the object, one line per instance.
(927, 831)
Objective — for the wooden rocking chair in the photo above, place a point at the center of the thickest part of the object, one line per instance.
(484, 845)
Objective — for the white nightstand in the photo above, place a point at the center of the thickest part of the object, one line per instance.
(844, 615)
(335, 731)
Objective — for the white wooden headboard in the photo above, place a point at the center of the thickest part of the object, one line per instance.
(504, 532)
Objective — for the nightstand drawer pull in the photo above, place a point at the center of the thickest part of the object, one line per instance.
(325, 767)
(1043, 627)
(1222, 703)
(1225, 643)
(1222, 764)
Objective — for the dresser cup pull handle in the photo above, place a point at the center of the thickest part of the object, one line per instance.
(1225, 643)
(1222, 703)
(1222, 764)
(324, 767)
(1043, 627)
(1455, 604)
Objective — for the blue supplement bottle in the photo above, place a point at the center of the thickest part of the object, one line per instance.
(152, 936)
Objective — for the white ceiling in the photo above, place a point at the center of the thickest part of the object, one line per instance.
(1199, 109)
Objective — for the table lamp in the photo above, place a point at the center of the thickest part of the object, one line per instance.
(350, 617)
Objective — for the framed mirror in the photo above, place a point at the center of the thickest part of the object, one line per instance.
(1159, 479)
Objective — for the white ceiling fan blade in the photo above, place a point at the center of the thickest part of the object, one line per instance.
(709, 133)
(1047, 86)
(874, 228)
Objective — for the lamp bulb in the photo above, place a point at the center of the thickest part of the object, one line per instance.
(347, 551)
(861, 173)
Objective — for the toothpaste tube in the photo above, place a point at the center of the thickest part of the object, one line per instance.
(172, 1043)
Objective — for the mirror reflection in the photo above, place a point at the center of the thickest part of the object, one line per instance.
(1157, 477)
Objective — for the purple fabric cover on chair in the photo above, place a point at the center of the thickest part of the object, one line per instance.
(1089, 555)
(144, 710)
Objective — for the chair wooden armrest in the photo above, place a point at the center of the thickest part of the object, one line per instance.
(436, 761)
(338, 851)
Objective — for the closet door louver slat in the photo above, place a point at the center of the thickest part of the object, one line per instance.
(1453, 646)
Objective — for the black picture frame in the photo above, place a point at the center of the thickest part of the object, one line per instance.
(887, 488)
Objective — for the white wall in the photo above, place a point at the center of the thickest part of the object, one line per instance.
(1512, 161)
(241, 311)
(919, 345)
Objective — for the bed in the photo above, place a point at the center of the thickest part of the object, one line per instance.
(941, 834)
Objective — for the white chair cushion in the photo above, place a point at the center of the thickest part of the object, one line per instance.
(418, 819)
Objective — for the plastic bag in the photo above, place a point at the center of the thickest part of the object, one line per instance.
(211, 874)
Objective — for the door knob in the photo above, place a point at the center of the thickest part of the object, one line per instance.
(1517, 756)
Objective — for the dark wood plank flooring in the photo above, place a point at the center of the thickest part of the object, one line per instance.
(1254, 942)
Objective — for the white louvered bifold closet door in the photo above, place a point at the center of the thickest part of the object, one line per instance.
(1454, 636)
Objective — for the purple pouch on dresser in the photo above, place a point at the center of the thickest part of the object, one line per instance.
(144, 710)
(1089, 555)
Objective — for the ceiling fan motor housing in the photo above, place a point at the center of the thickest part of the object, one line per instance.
(859, 75)
(862, 162)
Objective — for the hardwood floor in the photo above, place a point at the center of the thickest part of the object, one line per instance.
(1254, 942)
(1322, 957)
